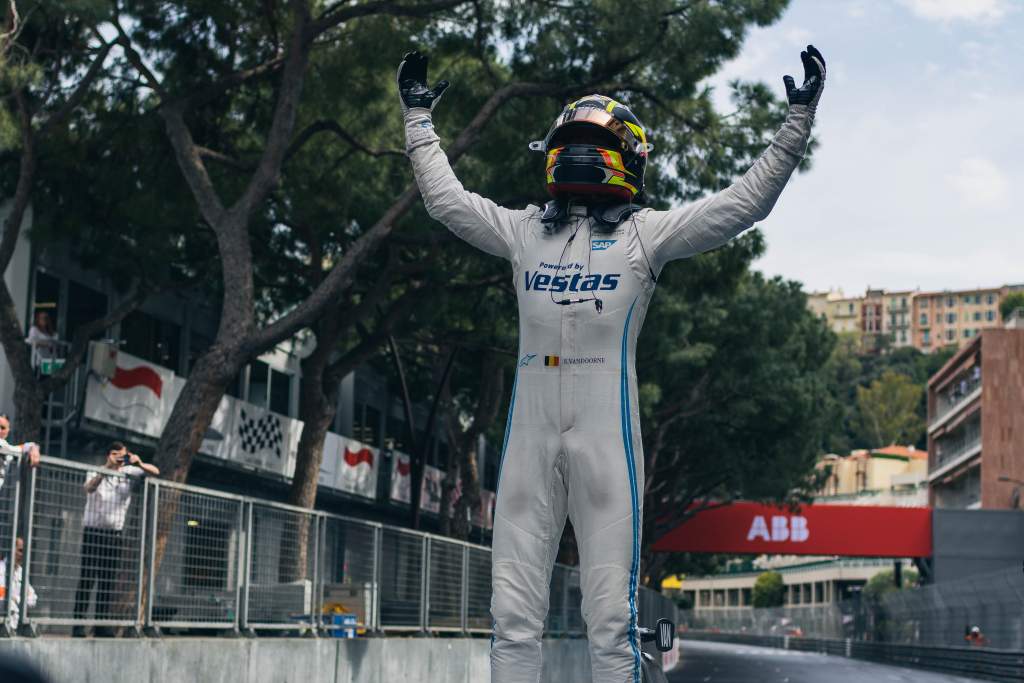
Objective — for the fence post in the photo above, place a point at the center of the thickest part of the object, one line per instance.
(139, 621)
(425, 585)
(9, 566)
(153, 529)
(25, 627)
(318, 591)
(378, 550)
(464, 607)
(246, 568)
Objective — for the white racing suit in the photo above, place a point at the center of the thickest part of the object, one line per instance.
(572, 442)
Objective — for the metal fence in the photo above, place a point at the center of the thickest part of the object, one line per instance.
(935, 615)
(125, 554)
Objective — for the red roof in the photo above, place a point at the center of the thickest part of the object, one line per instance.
(902, 451)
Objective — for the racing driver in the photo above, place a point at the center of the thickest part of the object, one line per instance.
(584, 268)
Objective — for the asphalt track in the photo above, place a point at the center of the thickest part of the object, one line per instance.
(703, 662)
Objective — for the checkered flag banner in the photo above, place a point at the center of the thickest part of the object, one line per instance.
(260, 433)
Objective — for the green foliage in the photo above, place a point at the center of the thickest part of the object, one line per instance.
(1011, 303)
(769, 590)
(883, 583)
(887, 410)
(850, 372)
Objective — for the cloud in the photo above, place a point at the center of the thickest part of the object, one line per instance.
(947, 11)
(980, 182)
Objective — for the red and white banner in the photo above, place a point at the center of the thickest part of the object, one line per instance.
(849, 530)
(401, 477)
(401, 486)
(139, 397)
(349, 465)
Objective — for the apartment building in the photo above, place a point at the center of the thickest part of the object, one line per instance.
(844, 314)
(955, 317)
(976, 422)
(902, 318)
(897, 317)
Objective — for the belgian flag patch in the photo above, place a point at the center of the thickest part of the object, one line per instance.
(551, 361)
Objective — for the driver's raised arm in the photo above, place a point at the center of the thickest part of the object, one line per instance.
(475, 219)
(711, 222)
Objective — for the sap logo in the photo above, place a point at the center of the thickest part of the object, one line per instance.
(600, 245)
(542, 282)
(783, 529)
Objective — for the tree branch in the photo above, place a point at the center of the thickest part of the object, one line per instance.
(343, 12)
(78, 94)
(329, 126)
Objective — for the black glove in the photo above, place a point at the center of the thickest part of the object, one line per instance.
(814, 79)
(412, 83)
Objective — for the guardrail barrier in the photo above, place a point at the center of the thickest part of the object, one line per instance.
(132, 554)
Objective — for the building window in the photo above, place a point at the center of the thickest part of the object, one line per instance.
(977, 298)
(950, 318)
(990, 316)
(977, 315)
(967, 334)
(950, 302)
(903, 335)
(85, 304)
(280, 392)
(926, 338)
(924, 303)
(951, 335)
(851, 309)
(924, 319)
(152, 339)
(990, 299)
(259, 383)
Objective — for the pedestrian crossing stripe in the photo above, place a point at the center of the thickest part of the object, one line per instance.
(551, 361)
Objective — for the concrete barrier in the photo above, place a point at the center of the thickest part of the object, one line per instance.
(283, 660)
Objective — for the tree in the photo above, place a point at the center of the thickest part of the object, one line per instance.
(732, 380)
(51, 63)
(888, 410)
(769, 590)
(1010, 304)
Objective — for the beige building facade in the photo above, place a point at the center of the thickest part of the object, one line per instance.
(900, 318)
(894, 475)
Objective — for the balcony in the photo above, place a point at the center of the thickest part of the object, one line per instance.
(959, 393)
(954, 449)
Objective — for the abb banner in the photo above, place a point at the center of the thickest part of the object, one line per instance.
(850, 530)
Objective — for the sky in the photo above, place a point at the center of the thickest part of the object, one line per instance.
(921, 131)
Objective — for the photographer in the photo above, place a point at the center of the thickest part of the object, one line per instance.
(106, 508)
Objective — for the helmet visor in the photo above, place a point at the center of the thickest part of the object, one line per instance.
(571, 120)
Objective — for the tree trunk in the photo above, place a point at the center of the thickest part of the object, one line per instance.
(193, 411)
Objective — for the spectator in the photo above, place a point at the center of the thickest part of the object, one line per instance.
(42, 337)
(14, 594)
(975, 638)
(109, 493)
(9, 451)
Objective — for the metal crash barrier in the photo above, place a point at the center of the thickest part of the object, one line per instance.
(126, 555)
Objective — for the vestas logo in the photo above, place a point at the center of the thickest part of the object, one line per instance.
(578, 282)
(600, 245)
(783, 529)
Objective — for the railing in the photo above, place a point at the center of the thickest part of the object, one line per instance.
(936, 615)
(949, 448)
(168, 558)
(961, 389)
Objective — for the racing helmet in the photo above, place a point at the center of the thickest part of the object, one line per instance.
(596, 147)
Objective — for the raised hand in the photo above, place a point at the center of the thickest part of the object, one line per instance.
(814, 79)
(412, 83)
